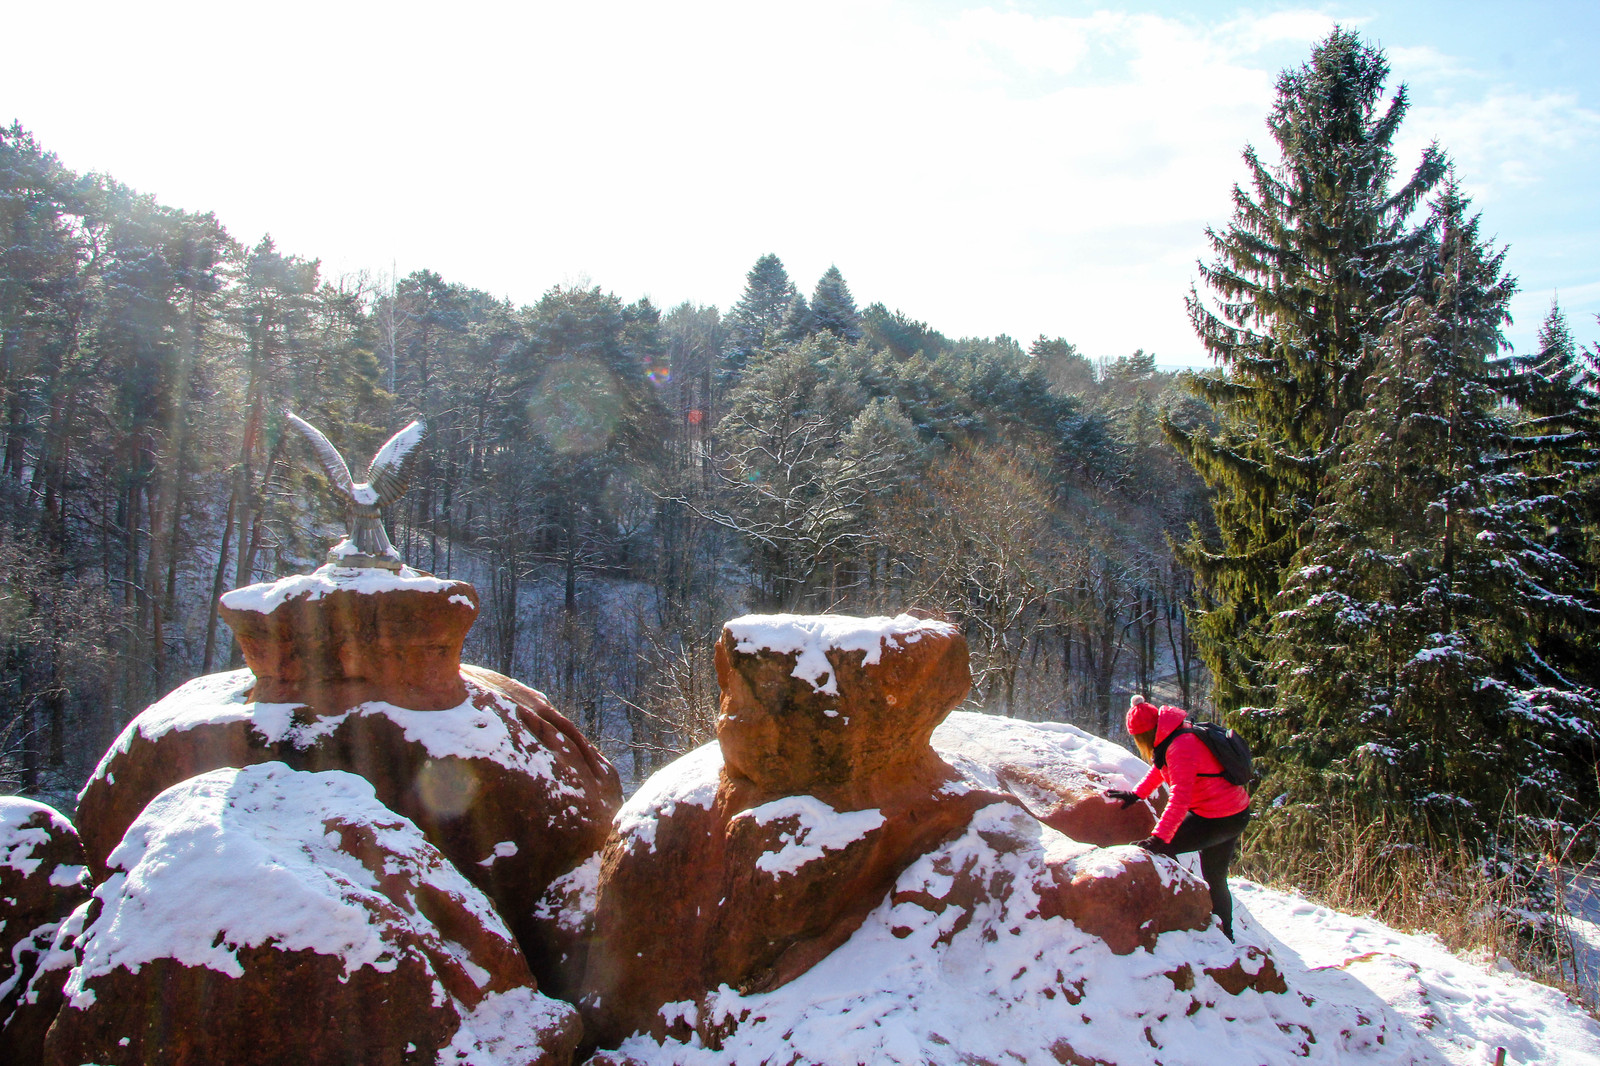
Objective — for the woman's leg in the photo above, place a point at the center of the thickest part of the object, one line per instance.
(1214, 862)
(1216, 839)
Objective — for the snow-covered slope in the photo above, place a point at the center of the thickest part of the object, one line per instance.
(1442, 1008)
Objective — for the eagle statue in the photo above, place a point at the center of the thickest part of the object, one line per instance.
(366, 545)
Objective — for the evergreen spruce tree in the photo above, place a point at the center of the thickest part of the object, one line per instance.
(834, 309)
(1403, 648)
(1308, 273)
(1557, 391)
(799, 323)
(757, 320)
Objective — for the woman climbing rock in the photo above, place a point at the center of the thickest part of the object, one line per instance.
(1205, 812)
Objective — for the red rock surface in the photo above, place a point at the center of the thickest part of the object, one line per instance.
(1126, 897)
(331, 644)
(279, 916)
(42, 880)
(504, 785)
(788, 736)
(42, 997)
(763, 866)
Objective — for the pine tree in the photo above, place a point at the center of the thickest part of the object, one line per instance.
(900, 334)
(1308, 273)
(1068, 369)
(834, 309)
(1403, 647)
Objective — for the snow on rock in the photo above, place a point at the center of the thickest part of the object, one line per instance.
(26, 832)
(817, 829)
(753, 887)
(42, 879)
(268, 596)
(512, 1028)
(570, 899)
(958, 966)
(1057, 771)
(208, 700)
(360, 670)
(689, 780)
(809, 637)
(1054, 747)
(764, 852)
(265, 907)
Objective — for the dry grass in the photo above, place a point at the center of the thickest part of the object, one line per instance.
(1423, 883)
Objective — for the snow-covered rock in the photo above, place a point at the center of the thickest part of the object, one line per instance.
(826, 703)
(282, 916)
(738, 869)
(360, 670)
(343, 636)
(961, 963)
(505, 786)
(42, 879)
(764, 852)
(1058, 771)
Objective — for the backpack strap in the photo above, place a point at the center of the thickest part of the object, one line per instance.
(1160, 759)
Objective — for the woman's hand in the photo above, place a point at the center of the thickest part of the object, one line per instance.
(1123, 796)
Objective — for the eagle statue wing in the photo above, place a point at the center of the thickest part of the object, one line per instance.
(390, 471)
(332, 461)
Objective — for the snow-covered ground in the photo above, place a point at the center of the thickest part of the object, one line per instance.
(1583, 925)
(1442, 1008)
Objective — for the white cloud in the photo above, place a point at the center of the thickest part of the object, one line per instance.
(1504, 140)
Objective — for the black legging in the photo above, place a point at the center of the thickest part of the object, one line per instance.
(1216, 839)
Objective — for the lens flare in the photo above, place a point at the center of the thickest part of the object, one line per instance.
(446, 787)
(576, 406)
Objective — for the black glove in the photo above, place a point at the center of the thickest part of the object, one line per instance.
(1123, 796)
(1155, 844)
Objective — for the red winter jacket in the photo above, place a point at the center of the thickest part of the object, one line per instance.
(1188, 760)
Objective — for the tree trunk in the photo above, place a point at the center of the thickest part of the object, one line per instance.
(218, 577)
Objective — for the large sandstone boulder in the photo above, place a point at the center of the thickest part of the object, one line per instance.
(824, 828)
(268, 915)
(42, 880)
(966, 961)
(504, 785)
(764, 852)
(1057, 771)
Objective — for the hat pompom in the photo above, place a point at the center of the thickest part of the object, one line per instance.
(1141, 715)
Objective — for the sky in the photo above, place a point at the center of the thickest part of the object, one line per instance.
(1024, 168)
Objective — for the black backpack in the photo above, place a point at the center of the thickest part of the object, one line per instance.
(1228, 747)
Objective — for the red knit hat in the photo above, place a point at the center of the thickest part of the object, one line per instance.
(1141, 715)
